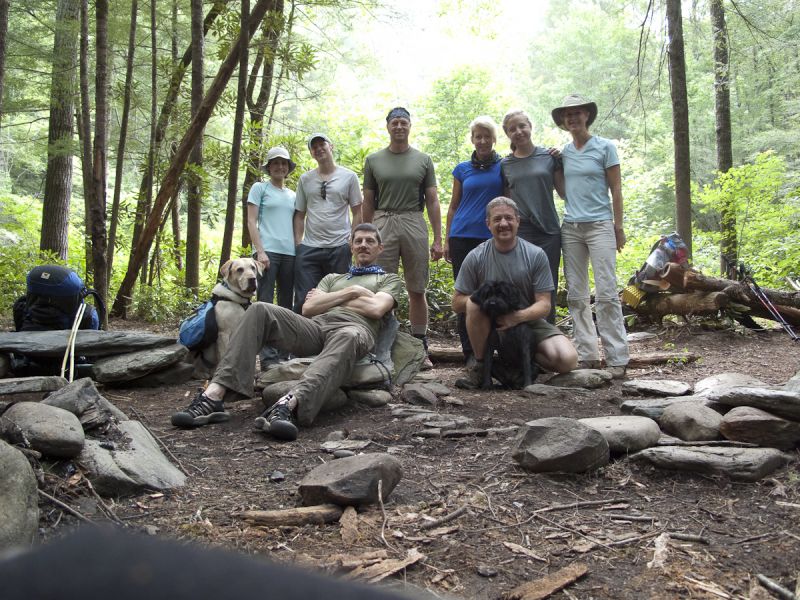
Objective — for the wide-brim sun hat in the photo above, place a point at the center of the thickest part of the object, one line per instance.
(279, 152)
(574, 101)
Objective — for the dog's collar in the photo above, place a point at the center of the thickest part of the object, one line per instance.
(227, 287)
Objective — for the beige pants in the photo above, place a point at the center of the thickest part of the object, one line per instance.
(405, 237)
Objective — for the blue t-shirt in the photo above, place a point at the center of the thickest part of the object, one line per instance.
(275, 214)
(585, 180)
(478, 188)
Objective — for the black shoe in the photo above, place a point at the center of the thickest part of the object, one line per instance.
(278, 421)
(202, 411)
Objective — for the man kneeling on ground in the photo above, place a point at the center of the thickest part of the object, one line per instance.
(340, 322)
(506, 257)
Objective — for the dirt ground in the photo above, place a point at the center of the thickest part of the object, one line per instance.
(749, 528)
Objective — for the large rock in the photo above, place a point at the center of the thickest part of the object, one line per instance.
(691, 422)
(748, 424)
(19, 503)
(176, 374)
(87, 342)
(134, 465)
(625, 434)
(582, 378)
(723, 381)
(82, 399)
(51, 430)
(782, 402)
(656, 387)
(275, 391)
(653, 408)
(351, 481)
(560, 444)
(28, 385)
(133, 365)
(745, 464)
(793, 384)
(371, 398)
(418, 394)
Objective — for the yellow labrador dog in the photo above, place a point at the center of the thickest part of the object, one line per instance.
(239, 282)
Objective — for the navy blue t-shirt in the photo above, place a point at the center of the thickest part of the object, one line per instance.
(478, 188)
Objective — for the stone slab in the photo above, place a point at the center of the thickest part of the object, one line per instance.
(31, 385)
(134, 365)
(743, 464)
(87, 342)
(351, 481)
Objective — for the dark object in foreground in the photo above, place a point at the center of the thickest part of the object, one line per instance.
(495, 299)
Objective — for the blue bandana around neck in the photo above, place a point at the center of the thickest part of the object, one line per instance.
(370, 270)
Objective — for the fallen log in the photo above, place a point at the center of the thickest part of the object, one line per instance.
(639, 361)
(693, 303)
(305, 515)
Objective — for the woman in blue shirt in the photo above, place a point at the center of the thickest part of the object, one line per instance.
(592, 230)
(475, 182)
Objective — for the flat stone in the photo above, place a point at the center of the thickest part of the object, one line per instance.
(641, 336)
(589, 379)
(545, 390)
(176, 374)
(723, 381)
(82, 399)
(351, 481)
(334, 445)
(781, 402)
(343, 453)
(51, 430)
(462, 433)
(657, 387)
(19, 502)
(133, 365)
(625, 434)
(430, 432)
(131, 467)
(653, 408)
(437, 388)
(748, 424)
(560, 444)
(336, 436)
(418, 394)
(425, 376)
(31, 385)
(409, 411)
(87, 342)
(691, 422)
(744, 464)
(371, 398)
(440, 424)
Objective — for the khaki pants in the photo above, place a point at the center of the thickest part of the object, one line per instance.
(337, 341)
(405, 237)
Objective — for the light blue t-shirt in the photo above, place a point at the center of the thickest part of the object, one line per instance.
(478, 188)
(585, 180)
(275, 214)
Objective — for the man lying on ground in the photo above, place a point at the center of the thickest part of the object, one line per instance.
(340, 321)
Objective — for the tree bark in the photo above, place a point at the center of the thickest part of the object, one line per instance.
(175, 203)
(98, 209)
(123, 134)
(58, 179)
(722, 110)
(3, 45)
(85, 134)
(692, 303)
(236, 144)
(172, 175)
(680, 122)
(194, 200)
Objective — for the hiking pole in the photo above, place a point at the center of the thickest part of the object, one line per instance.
(759, 293)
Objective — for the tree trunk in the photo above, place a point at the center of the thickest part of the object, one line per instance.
(145, 200)
(123, 134)
(236, 144)
(85, 134)
(58, 179)
(3, 34)
(194, 200)
(98, 210)
(680, 122)
(692, 303)
(722, 104)
(175, 203)
(139, 252)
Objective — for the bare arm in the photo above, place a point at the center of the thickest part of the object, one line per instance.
(355, 297)
(299, 225)
(455, 200)
(459, 302)
(538, 310)
(368, 206)
(435, 217)
(255, 236)
(356, 212)
(558, 183)
(614, 178)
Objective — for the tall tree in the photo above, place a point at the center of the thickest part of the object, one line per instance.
(85, 133)
(194, 199)
(123, 135)
(58, 178)
(722, 103)
(3, 33)
(100, 155)
(175, 205)
(236, 145)
(680, 122)
(171, 177)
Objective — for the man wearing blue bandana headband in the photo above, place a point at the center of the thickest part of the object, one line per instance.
(340, 322)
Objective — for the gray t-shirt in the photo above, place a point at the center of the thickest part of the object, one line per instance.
(525, 266)
(328, 220)
(530, 180)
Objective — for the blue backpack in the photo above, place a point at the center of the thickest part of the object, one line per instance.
(199, 330)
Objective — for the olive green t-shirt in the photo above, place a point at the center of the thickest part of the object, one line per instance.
(388, 283)
(399, 180)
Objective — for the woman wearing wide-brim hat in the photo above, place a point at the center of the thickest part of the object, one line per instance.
(270, 210)
(592, 230)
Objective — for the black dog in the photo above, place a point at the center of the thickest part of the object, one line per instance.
(497, 298)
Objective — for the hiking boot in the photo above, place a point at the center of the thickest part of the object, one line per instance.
(512, 377)
(617, 372)
(473, 377)
(588, 364)
(202, 411)
(278, 421)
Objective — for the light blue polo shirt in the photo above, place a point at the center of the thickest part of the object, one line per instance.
(275, 214)
(585, 180)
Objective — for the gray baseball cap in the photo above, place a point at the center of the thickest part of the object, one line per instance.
(318, 136)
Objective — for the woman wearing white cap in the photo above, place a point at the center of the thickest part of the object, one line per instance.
(270, 210)
(592, 230)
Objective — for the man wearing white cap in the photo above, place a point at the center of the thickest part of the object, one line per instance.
(322, 223)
